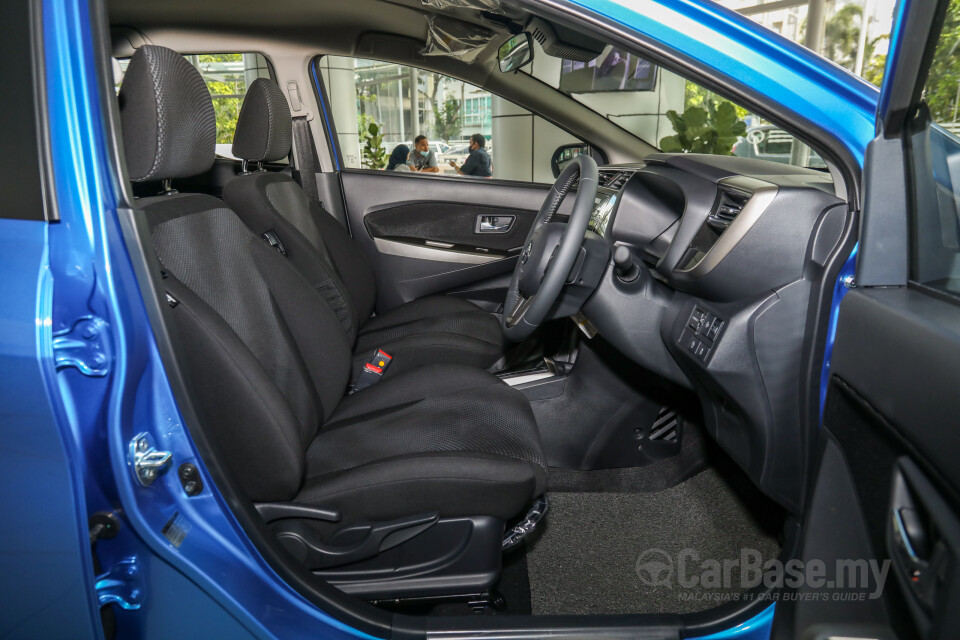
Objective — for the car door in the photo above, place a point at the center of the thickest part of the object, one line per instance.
(438, 233)
(882, 516)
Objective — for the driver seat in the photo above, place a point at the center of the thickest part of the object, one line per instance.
(429, 330)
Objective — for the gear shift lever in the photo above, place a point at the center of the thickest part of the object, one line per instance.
(627, 269)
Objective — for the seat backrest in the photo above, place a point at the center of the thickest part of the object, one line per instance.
(266, 357)
(273, 203)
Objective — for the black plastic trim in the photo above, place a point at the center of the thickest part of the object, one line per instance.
(883, 257)
(24, 178)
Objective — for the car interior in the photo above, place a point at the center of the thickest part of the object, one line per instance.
(450, 396)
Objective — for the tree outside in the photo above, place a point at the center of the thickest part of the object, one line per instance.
(227, 94)
(841, 37)
(447, 119)
(708, 124)
(711, 128)
(942, 89)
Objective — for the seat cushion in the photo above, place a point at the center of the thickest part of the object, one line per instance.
(444, 438)
(431, 330)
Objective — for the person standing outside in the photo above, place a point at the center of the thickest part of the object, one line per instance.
(478, 162)
(422, 158)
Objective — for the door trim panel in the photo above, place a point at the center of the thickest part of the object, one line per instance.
(423, 252)
(406, 271)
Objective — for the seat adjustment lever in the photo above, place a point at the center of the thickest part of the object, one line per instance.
(273, 511)
(352, 543)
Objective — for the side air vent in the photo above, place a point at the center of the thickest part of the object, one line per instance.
(729, 206)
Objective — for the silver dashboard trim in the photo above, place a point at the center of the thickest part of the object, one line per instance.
(763, 194)
(421, 252)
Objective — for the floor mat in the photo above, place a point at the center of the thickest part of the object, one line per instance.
(662, 552)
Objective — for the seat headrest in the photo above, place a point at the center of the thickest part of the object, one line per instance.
(166, 113)
(264, 132)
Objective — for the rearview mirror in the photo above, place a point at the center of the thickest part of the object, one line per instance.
(515, 52)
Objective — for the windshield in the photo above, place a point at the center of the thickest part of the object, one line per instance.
(675, 114)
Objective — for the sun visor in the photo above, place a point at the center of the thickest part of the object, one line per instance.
(455, 38)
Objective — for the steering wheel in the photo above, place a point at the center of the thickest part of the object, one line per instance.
(550, 251)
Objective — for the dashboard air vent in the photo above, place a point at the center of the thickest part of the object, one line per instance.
(614, 179)
(729, 206)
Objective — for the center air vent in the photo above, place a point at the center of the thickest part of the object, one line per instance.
(728, 207)
(614, 179)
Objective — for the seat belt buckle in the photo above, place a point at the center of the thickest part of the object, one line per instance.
(373, 370)
(381, 359)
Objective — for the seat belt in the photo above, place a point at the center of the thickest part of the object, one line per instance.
(307, 160)
(373, 370)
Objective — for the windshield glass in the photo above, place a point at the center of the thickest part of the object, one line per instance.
(830, 28)
(675, 114)
(668, 111)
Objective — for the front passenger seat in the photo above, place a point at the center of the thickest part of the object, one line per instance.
(401, 489)
(429, 330)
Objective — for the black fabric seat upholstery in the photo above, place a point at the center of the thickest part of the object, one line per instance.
(268, 358)
(373, 458)
(435, 329)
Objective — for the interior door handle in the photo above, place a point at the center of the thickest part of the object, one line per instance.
(494, 224)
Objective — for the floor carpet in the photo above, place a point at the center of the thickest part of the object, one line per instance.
(607, 553)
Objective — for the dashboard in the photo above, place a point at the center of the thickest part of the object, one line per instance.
(729, 249)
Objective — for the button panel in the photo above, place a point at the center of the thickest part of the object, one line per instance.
(701, 333)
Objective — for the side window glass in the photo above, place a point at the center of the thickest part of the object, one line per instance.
(936, 168)
(227, 76)
(392, 117)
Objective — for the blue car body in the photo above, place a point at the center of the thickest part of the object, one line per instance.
(81, 374)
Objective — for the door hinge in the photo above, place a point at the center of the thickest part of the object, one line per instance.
(84, 346)
(121, 585)
(147, 462)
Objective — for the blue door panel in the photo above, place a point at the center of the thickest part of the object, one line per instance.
(47, 574)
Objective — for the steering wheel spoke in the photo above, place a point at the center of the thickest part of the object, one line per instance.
(519, 310)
